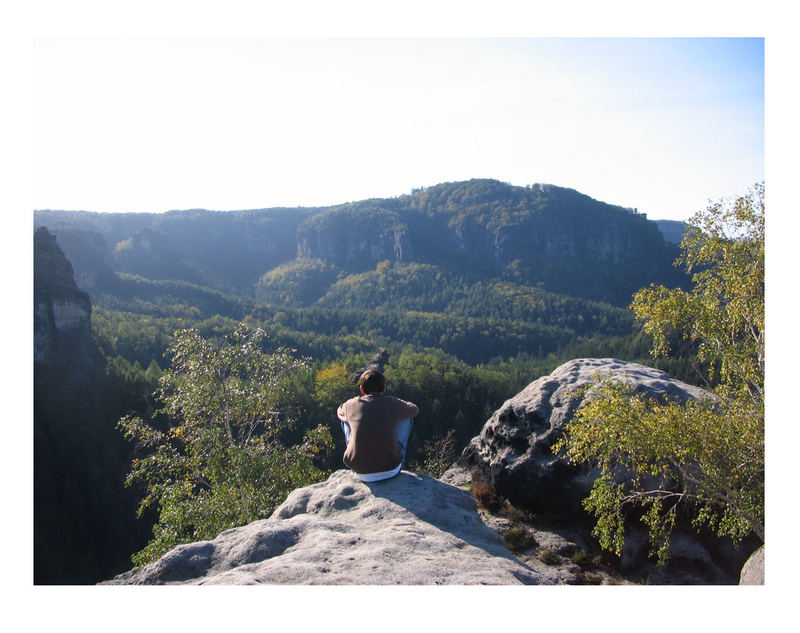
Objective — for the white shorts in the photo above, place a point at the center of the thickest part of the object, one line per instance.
(386, 474)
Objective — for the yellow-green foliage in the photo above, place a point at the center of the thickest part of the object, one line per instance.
(332, 386)
(704, 453)
(708, 455)
(724, 313)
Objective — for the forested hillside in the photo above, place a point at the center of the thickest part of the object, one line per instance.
(474, 289)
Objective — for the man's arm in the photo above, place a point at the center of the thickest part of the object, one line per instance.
(410, 409)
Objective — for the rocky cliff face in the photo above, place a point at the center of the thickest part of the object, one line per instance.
(151, 254)
(226, 249)
(514, 446)
(61, 311)
(90, 257)
(672, 230)
(354, 237)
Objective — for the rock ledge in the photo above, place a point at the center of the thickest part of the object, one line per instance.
(409, 530)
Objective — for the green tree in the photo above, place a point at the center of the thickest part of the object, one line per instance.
(332, 386)
(706, 456)
(212, 453)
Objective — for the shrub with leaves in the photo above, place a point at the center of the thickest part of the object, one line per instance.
(437, 454)
(518, 539)
(706, 458)
(212, 456)
(484, 493)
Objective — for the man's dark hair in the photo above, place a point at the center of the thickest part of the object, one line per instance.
(372, 381)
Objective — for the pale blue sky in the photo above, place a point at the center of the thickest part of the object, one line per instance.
(663, 125)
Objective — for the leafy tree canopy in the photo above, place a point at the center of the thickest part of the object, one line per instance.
(704, 457)
(212, 454)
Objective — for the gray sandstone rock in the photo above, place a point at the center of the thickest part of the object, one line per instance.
(514, 447)
(409, 530)
(378, 361)
(753, 570)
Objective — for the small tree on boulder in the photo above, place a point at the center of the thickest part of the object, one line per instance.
(704, 456)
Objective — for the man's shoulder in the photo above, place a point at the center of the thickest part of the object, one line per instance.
(353, 400)
(401, 402)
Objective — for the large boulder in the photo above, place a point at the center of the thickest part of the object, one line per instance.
(409, 530)
(514, 448)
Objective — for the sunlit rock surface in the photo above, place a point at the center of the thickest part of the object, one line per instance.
(409, 530)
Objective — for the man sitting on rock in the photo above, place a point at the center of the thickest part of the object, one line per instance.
(376, 428)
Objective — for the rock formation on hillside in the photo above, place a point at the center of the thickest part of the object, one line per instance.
(149, 253)
(90, 257)
(354, 236)
(409, 530)
(378, 361)
(513, 451)
(61, 311)
(672, 230)
(231, 249)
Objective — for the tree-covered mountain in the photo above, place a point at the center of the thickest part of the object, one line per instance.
(542, 235)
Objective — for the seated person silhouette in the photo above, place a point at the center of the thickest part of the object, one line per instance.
(376, 428)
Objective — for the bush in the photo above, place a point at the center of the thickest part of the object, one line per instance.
(484, 493)
(549, 557)
(220, 462)
(519, 539)
(437, 454)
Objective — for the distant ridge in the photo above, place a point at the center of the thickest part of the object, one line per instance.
(552, 237)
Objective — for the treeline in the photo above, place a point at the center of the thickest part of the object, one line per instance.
(394, 305)
(428, 288)
(454, 394)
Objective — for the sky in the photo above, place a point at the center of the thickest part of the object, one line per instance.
(664, 125)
